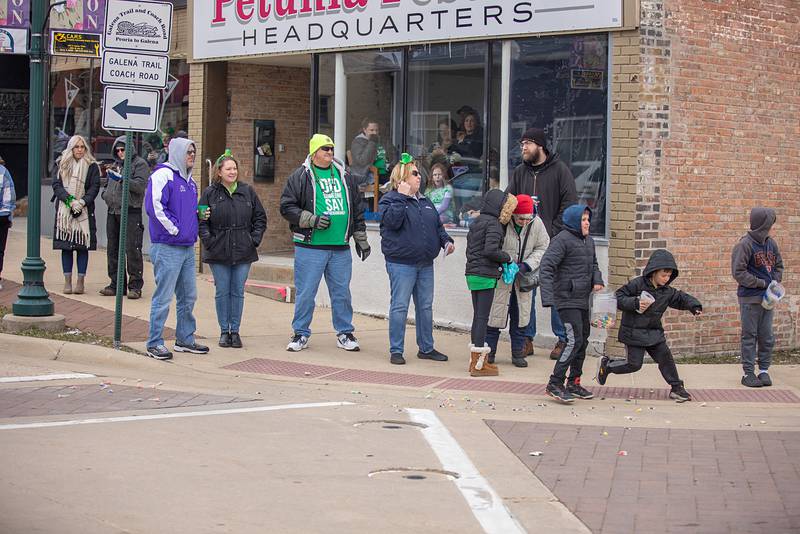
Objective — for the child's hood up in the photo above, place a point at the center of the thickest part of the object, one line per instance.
(661, 259)
(499, 204)
(572, 217)
(761, 220)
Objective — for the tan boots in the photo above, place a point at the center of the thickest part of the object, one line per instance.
(68, 284)
(79, 285)
(478, 362)
(78, 289)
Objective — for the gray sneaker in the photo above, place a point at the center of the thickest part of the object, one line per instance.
(765, 379)
(194, 348)
(751, 380)
(159, 352)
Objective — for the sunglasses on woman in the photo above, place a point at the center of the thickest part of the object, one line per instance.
(414, 173)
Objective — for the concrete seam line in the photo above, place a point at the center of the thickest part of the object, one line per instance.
(173, 415)
(485, 503)
(63, 376)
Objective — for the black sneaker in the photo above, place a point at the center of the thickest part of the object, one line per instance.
(751, 380)
(602, 371)
(558, 392)
(159, 352)
(236, 341)
(679, 394)
(225, 340)
(575, 389)
(397, 359)
(434, 355)
(765, 379)
(194, 348)
(519, 361)
(490, 357)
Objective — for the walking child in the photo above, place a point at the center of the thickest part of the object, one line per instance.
(568, 274)
(485, 259)
(755, 264)
(643, 301)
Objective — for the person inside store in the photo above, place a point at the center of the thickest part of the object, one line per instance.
(366, 153)
(441, 193)
(469, 138)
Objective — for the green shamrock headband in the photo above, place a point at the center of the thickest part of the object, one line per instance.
(226, 154)
(406, 158)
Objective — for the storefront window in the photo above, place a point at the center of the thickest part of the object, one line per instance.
(446, 124)
(560, 84)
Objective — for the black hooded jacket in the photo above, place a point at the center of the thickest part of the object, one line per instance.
(569, 270)
(645, 329)
(552, 182)
(485, 254)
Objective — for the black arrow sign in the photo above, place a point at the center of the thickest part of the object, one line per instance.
(123, 109)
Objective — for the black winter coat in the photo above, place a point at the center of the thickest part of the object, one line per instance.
(299, 195)
(569, 270)
(236, 226)
(485, 254)
(140, 173)
(645, 329)
(552, 182)
(411, 231)
(91, 188)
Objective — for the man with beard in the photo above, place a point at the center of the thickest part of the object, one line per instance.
(549, 181)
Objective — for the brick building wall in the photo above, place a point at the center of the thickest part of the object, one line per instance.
(719, 129)
(262, 92)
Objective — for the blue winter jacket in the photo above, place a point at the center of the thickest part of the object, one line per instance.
(411, 231)
(171, 199)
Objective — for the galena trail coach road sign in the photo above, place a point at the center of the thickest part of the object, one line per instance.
(142, 26)
(130, 109)
(126, 68)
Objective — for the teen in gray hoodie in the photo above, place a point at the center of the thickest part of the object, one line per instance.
(755, 263)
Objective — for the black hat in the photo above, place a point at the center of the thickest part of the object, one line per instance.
(466, 109)
(536, 135)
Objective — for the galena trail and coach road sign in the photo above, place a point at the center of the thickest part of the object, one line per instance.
(135, 43)
(126, 68)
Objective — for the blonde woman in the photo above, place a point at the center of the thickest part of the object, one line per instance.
(75, 189)
(230, 236)
(412, 236)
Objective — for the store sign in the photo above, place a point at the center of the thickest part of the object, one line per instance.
(78, 15)
(227, 28)
(135, 25)
(126, 68)
(15, 13)
(13, 41)
(76, 44)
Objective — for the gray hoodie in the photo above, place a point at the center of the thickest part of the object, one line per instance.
(140, 171)
(756, 260)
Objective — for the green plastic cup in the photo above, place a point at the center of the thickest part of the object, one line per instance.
(201, 210)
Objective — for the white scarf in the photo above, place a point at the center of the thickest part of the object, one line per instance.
(69, 228)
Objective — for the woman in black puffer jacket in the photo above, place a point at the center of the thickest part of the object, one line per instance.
(230, 235)
(485, 257)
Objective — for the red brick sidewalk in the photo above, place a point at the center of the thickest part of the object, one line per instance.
(86, 317)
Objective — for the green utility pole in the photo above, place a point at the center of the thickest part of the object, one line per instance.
(33, 300)
(123, 225)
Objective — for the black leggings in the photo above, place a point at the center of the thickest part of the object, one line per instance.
(481, 307)
(659, 352)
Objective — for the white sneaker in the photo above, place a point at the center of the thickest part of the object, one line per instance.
(347, 342)
(297, 343)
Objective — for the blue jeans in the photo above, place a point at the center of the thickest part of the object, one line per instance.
(555, 321)
(229, 298)
(517, 334)
(66, 261)
(310, 264)
(407, 281)
(173, 267)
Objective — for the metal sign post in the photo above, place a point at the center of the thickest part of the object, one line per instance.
(133, 82)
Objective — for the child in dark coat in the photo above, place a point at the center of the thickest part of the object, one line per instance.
(643, 301)
(568, 274)
(485, 257)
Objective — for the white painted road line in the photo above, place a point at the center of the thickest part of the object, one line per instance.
(64, 376)
(485, 503)
(173, 415)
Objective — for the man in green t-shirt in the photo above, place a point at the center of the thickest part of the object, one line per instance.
(321, 203)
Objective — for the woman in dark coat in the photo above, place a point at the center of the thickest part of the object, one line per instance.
(74, 191)
(231, 233)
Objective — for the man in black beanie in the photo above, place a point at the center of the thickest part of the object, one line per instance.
(549, 181)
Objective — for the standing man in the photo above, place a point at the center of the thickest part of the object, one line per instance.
(549, 181)
(171, 203)
(367, 151)
(112, 194)
(8, 202)
(321, 203)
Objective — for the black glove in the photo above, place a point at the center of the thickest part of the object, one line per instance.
(363, 251)
(322, 222)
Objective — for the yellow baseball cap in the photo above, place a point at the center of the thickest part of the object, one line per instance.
(318, 141)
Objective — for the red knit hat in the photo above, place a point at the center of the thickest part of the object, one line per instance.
(524, 205)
